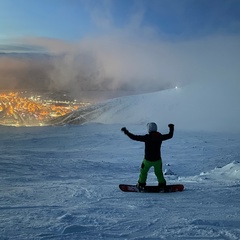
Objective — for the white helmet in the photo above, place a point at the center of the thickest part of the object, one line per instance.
(152, 127)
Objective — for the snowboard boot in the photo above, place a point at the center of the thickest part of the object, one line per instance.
(163, 186)
(140, 186)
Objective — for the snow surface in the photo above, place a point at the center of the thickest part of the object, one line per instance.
(62, 183)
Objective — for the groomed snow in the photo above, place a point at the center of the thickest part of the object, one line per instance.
(62, 183)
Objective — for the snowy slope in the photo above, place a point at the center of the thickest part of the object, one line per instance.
(62, 183)
(200, 106)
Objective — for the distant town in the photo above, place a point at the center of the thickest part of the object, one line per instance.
(25, 108)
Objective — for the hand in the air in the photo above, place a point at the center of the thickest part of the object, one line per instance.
(124, 130)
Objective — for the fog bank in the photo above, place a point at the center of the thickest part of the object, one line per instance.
(116, 63)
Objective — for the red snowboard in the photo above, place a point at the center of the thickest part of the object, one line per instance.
(152, 189)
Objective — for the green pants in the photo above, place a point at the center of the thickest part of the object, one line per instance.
(146, 165)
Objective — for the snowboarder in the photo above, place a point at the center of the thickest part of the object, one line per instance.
(152, 157)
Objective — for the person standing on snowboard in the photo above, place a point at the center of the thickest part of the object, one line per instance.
(152, 158)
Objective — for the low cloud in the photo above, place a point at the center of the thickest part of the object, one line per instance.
(106, 63)
(112, 62)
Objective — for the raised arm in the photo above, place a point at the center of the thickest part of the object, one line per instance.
(140, 138)
(170, 134)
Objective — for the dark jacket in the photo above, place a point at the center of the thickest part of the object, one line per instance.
(153, 142)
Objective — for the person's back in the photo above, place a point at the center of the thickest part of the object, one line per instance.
(153, 146)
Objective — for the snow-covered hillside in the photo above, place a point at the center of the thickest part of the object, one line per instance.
(200, 106)
(62, 183)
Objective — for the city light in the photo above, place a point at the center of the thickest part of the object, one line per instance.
(20, 109)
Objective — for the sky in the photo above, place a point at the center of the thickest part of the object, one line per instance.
(130, 45)
(75, 19)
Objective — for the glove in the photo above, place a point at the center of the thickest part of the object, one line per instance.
(171, 125)
(124, 130)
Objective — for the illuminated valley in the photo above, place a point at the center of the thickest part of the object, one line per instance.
(31, 109)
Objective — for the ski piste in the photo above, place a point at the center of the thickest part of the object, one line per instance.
(152, 189)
